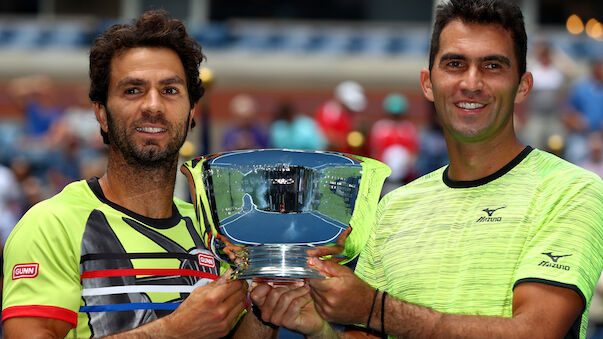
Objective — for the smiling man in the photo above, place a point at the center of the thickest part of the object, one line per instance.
(505, 242)
(119, 256)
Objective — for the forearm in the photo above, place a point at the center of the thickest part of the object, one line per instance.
(252, 327)
(155, 329)
(405, 320)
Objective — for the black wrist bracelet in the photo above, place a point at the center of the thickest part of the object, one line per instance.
(383, 334)
(368, 322)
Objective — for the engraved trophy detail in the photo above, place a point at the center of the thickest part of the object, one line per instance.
(263, 209)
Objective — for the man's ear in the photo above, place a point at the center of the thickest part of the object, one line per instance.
(191, 117)
(525, 87)
(101, 115)
(426, 84)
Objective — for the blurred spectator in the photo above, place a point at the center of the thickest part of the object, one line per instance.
(31, 186)
(433, 153)
(395, 141)
(585, 112)
(543, 115)
(11, 202)
(244, 133)
(34, 95)
(295, 130)
(594, 161)
(78, 142)
(336, 116)
(35, 98)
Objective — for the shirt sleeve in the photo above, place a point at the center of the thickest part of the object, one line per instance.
(41, 267)
(566, 246)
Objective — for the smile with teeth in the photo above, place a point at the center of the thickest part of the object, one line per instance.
(469, 105)
(150, 129)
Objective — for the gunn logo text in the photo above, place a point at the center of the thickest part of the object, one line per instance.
(25, 271)
(206, 260)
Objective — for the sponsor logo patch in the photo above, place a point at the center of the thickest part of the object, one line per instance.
(25, 271)
(554, 264)
(206, 260)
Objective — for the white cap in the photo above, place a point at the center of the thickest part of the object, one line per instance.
(351, 95)
(242, 106)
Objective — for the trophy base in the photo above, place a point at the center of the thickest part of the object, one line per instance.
(275, 262)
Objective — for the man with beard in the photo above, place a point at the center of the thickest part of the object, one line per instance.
(120, 255)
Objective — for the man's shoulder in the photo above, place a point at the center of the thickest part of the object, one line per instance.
(70, 202)
(427, 183)
(552, 169)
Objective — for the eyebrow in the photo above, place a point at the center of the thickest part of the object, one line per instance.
(172, 80)
(129, 81)
(500, 58)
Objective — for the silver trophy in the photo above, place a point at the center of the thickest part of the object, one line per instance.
(262, 210)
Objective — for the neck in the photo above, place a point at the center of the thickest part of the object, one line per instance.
(143, 190)
(473, 161)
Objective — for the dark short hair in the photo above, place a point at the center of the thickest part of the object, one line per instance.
(502, 12)
(152, 29)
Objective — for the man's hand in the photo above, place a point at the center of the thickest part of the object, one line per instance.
(332, 251)
(210, 311)
(290, 306)
(341, 298)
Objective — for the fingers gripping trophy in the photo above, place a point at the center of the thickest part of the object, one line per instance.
(262, 210)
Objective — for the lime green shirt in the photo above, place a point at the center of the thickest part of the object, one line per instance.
(461, 247)
(80, 258)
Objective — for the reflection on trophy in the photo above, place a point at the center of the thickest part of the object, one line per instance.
(262, 210)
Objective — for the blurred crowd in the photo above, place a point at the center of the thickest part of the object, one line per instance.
(53, 144)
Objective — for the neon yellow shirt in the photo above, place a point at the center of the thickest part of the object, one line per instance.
(80, 258)
(461, 247)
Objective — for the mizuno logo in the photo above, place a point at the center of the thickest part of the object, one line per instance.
(555, 257)
(490, 218)
(490, 212)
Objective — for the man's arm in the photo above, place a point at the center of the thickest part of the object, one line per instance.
(539, 310)
(210, 311)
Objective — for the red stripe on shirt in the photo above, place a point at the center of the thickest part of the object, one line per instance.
(150, 271)
(41, 311)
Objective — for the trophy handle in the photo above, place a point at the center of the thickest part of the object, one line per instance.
(213, 241)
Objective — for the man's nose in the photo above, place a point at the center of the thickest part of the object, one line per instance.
(152, 102)
(472, 80)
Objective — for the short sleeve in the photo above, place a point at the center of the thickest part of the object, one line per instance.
(41, 267)
(566, 247)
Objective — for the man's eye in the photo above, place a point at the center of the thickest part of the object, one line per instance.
(493, 66)
(171, 90)
(454, 64)
(132, 91)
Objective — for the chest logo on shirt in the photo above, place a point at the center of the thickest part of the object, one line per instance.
(25, 271)
(490, 215)
(554, 258)
(206, 260)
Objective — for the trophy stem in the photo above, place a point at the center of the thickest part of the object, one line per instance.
(275, 262)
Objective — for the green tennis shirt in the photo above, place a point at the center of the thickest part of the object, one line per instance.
(80, 258)
(461, 247)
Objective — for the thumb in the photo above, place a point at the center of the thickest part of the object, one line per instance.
(325, 267)
(225, 277)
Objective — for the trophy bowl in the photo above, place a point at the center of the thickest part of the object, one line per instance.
(262, 210)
